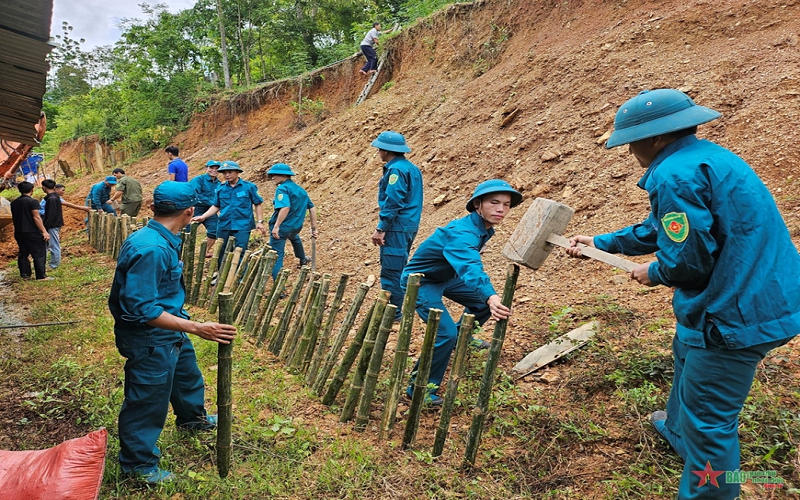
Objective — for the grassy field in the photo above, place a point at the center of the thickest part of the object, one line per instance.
(582, 436)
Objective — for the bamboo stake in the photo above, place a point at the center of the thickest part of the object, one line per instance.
(194, 291)
(374, 368)
(322, 300)
(357, 383)
(324, 338)
(290, 344)
(421, 382)
(283, 325)
(397, 374)
(482, 406)
(224, 390)
(344, 330)
(223, 275)
(245, 291)
(456, 374)
(296, 354)
(212, 267)
(255, 310)
(252, 295)
(231, 273)
(347, 360)
(188, 258)
(235, 278)
(266, 317)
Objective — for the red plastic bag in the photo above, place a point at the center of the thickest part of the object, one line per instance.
(73, 470)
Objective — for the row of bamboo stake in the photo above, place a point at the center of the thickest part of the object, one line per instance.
(302, 336)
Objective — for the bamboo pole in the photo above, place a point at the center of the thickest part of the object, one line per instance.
(296, 330)
(398, 371)
(277, 340)
(456, 374)
(235, 278)
(194, 291)
(188, 258)
(224, 390)
(266, 318)
(374, 368)
(421, 382)
(244, 292)
(254, 293)
(231, 273)
(322, 301)
(336, 348)
(223, 275)
(482, 406)
(357, 383)
(212, 267)
(324, 337)
(256, 307)
(297, 354)
(347, 360)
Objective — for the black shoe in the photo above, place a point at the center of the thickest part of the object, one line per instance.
(305, 261)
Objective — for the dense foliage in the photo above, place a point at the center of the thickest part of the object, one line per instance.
(139, 92)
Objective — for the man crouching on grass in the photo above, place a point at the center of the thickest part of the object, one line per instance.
(150, 327)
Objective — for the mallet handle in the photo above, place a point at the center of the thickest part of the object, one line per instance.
(608, 258)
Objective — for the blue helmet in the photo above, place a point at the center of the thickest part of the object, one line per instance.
(230, 165)
(213, 163)
(391, 141)
(494, 186)
(280, 169)
(656, 112)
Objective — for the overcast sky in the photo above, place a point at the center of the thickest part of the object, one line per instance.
(96, 20)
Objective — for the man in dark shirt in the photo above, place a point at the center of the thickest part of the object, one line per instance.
(29, 232)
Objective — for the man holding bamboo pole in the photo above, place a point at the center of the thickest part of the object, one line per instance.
(450, 262)
(150, 326)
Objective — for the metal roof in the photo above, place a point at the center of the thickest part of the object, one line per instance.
(24, 36)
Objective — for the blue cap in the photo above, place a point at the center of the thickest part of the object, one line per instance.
(494, 186)
(391, 141)
(657, 112)
(213, 163)
(280, 169)
(111, 179)
(230, 165)
(171, 195)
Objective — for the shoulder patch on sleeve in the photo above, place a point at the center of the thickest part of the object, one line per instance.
(393, 178)
(676, 225)
(280, 196)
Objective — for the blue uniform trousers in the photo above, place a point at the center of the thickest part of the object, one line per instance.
(242, 238)
(394, 256)
(154, 378)
(708, 391)
(430, 296)
(280, 246)
(210, 224)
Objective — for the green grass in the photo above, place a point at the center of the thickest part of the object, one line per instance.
(582, 437)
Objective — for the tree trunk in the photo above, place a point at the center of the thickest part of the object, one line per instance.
(223, 46)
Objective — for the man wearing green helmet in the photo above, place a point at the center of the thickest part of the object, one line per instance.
(720, 242)
(205, 187)
(400, 202)
(450, 261)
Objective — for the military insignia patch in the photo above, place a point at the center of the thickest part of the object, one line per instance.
(280, 197)
(393, 178)
(676, 225)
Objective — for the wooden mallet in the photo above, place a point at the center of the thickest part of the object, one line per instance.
(541, 227)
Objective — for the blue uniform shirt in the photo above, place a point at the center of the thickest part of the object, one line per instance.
(205, 187)
(148, 281)
(180, 169)
(289, 194)
(400, 196)
(235, 205)
(720, 242)
(99, 195)
(454, 250)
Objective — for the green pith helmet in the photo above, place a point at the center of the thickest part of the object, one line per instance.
(494, 186)
(230, 165)
(280, 169)
(213, 163)
(657, 112)
(391, 141)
